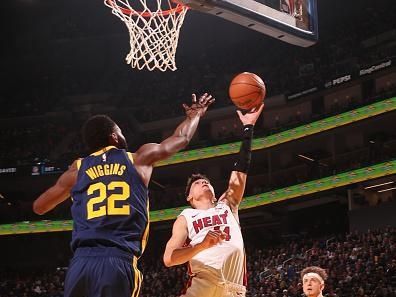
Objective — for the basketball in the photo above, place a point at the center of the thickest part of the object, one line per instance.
(247, 90)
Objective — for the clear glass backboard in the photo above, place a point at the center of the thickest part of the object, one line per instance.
(292, 21)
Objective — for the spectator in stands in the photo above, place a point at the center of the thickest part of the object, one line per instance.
(313, 279)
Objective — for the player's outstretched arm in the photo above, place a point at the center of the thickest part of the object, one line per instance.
(58, 192)
(176, 253)
(150, 153)
(237, 182)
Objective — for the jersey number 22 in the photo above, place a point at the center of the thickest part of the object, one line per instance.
(109, 208)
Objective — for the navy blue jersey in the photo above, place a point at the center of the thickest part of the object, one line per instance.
(110, 203)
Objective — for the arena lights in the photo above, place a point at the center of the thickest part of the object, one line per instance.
(307, 158)
(386, 190)
(379, 185)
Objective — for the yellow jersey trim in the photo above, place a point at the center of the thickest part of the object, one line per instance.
(130, 156)
(103, 150)
(78, 163)
(137, 278)
(146, 231)
(140, 284)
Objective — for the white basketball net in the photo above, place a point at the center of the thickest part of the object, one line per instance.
(153, 34)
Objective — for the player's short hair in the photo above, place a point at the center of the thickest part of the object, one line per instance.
(193, 178)
(315, 269)
(96, 132)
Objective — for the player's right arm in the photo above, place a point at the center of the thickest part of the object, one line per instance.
(58, 192)
(236, 185)
(176, 253)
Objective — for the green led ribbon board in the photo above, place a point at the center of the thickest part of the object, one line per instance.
(339, 180)
(327, 183)
(286, 136)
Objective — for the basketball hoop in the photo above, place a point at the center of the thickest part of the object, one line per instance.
(153, 29)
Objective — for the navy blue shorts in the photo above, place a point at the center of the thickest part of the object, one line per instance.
(102, 272)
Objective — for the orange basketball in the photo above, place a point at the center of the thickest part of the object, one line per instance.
(247, 90)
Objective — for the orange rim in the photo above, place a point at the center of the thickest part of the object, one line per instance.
(126, 11)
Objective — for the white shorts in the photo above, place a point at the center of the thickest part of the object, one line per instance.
(204, 285)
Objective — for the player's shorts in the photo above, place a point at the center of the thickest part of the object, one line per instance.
(204, 284)
(102, 272)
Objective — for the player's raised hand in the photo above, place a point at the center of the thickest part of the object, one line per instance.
(198, 107)
(250, 117)
(212, 238)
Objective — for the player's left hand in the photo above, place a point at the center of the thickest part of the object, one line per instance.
(250, 117)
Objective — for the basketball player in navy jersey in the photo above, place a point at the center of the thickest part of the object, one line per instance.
(110, 204)
(208, 235)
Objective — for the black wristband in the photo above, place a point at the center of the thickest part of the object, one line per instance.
(245, 152)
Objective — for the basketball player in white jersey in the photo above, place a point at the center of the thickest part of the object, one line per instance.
(214, 249)
(313, 279)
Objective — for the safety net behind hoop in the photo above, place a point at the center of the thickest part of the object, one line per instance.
(154, 28)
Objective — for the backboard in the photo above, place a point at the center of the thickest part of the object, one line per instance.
(292, 21)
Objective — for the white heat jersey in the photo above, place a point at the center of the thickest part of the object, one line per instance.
(226, 259)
